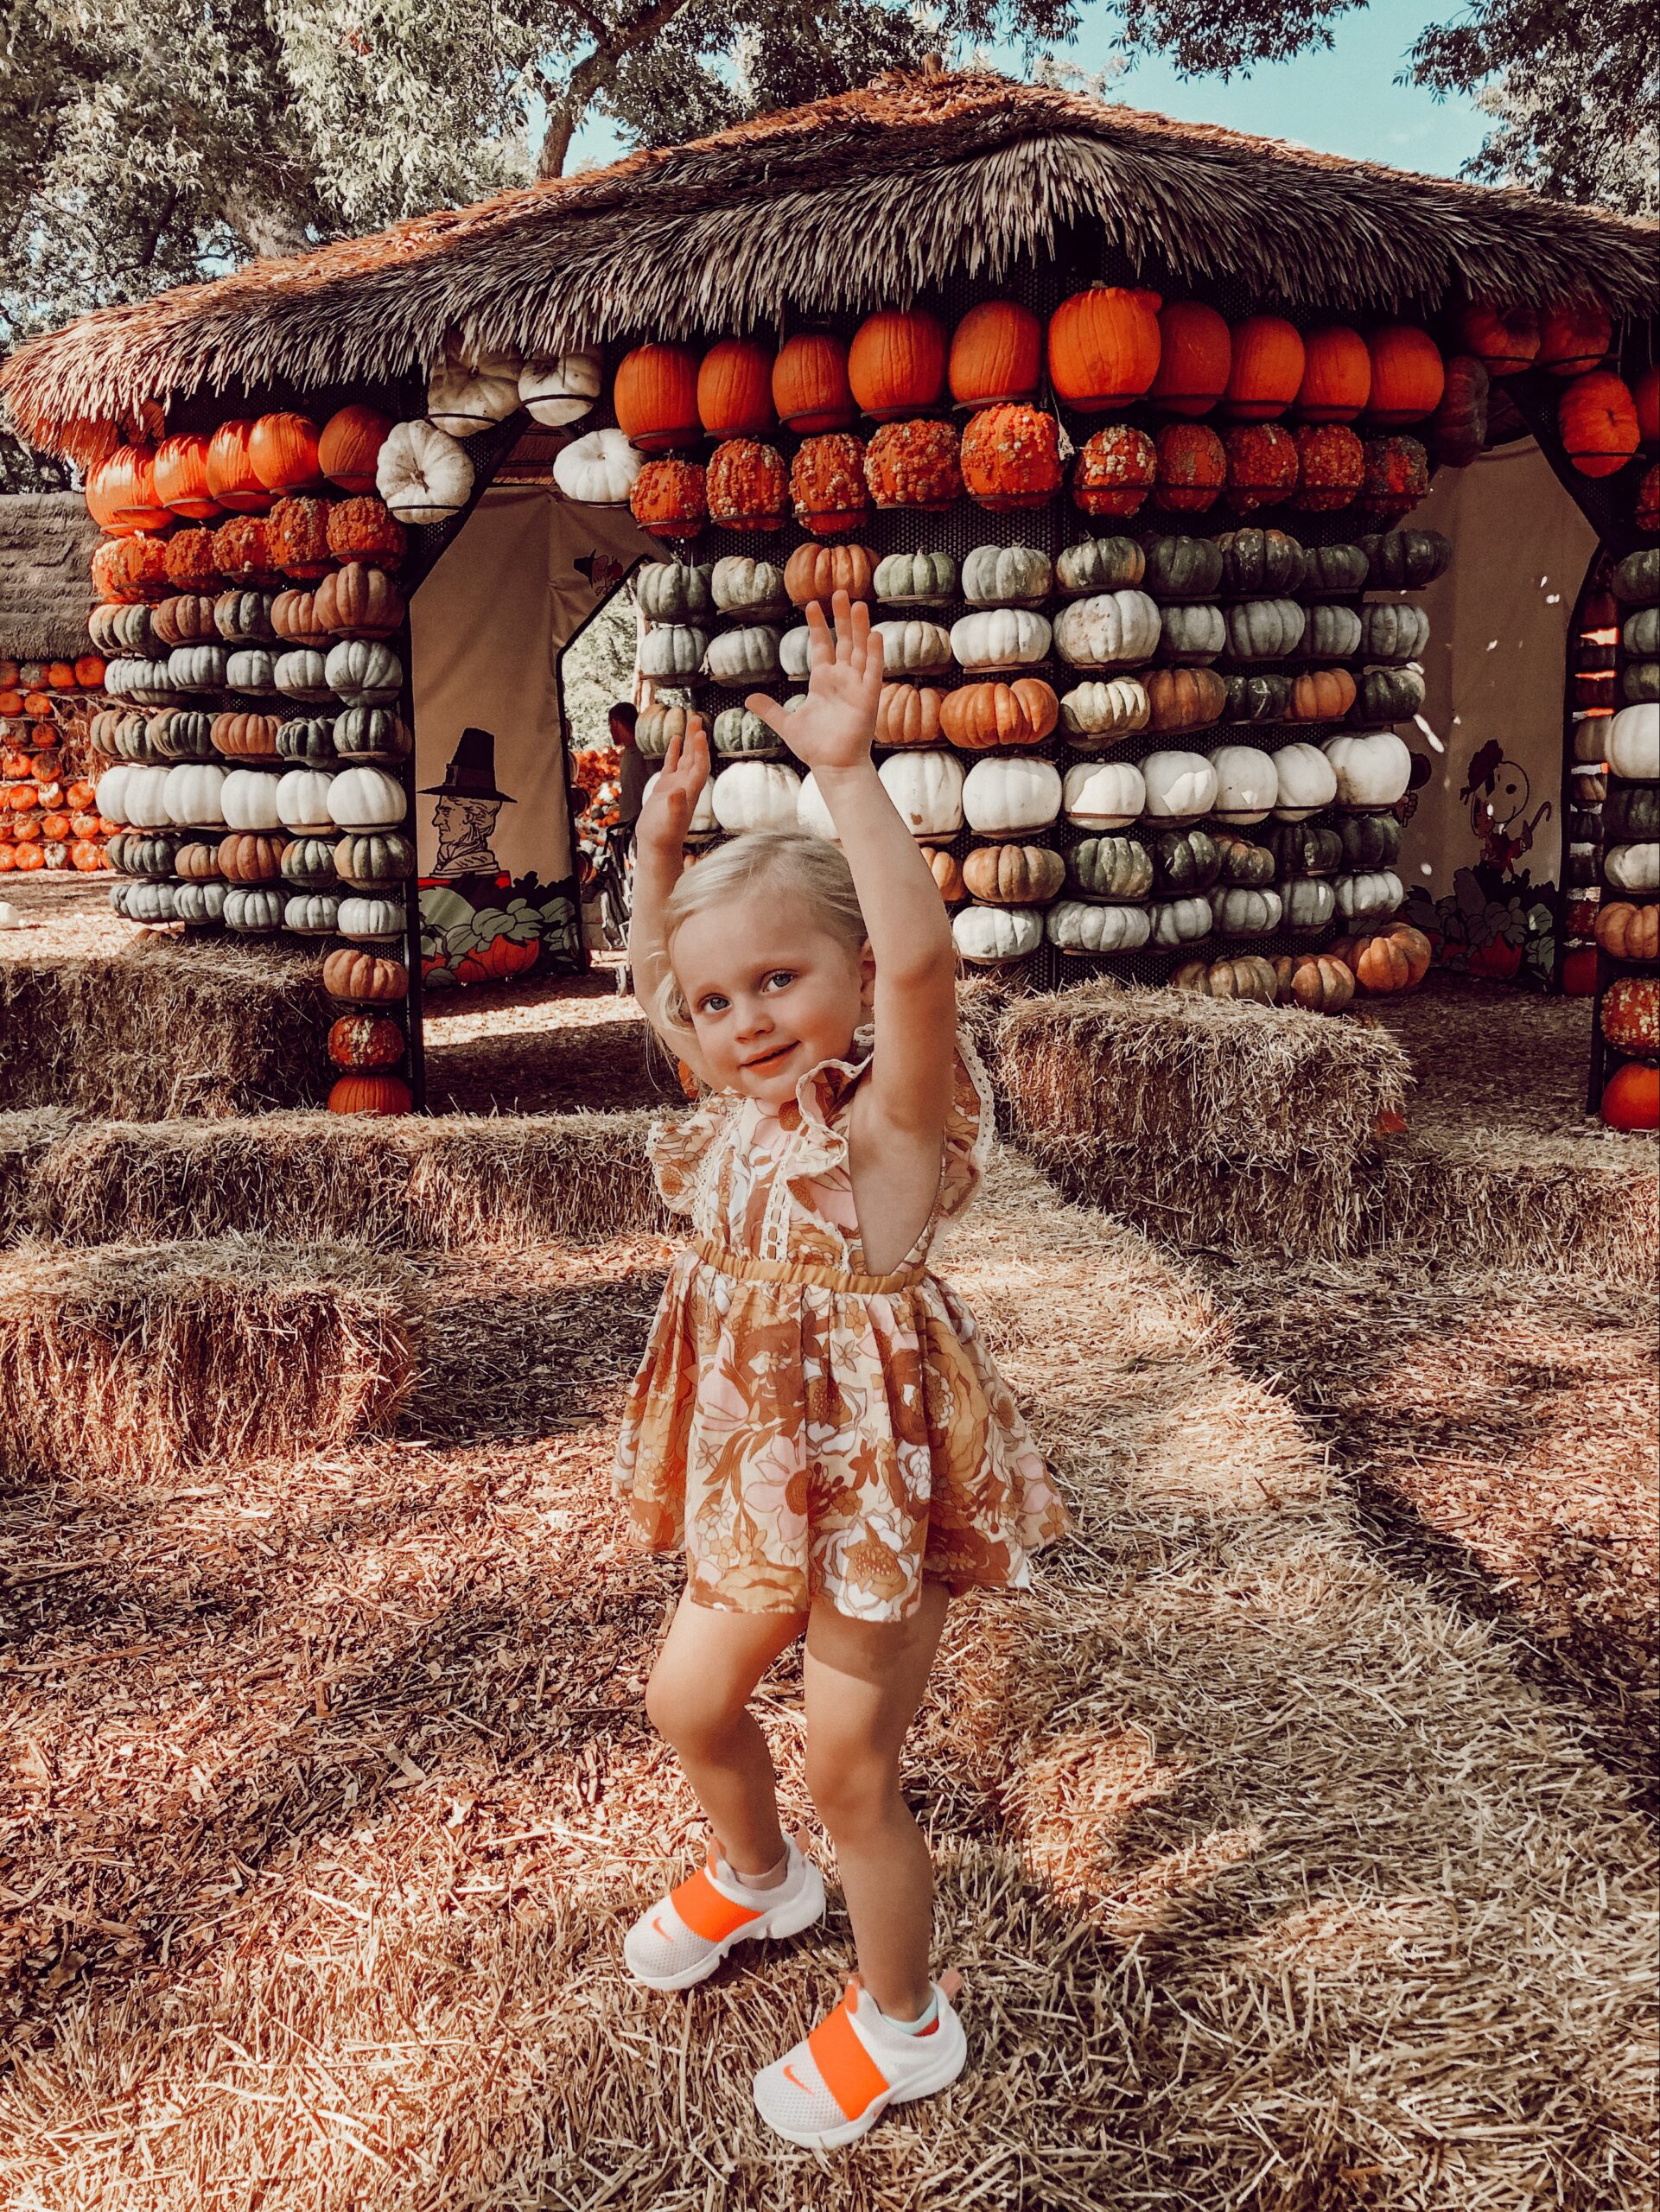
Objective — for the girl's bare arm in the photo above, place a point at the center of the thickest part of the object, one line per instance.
(659, 855)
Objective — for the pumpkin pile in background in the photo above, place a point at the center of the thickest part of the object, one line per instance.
(49, 812)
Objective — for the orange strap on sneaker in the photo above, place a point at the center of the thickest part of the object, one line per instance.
(705, 1911)
(845, 2067)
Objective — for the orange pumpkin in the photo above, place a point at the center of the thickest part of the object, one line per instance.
(747, 487)
(1195, 358)
(252, 856)
(1267, 370)
(1336, 374)
(947, 871)
(1115, 471)
(29, 858)
(655, 395)
(1262, 466)
(60, 675)
(1397, 476)
(734, 389)
(122, 495)
(1394, 958)
(233, 480)
(365, 1040)
(85, 854)
(242, 552)
(827, 483)
(817, 572)
(190, 565)
(130, 570)
(810, 383)
(1631, 1097)
(350, 447)
(8, 856)
(1321, 695)
(245, 737)
(370, 1094)
(54, 827)
(90, 672)
(1193, 466)
(365, 978)
(1596, 418)
(363, 528)
(913, 465)
(296, 531)
(1631, 1015)
(909, 714)
(284, 450)
(1103, 347)
(1010, 458)
(997, 354)
(182, 476)
(1331, 464)
(1408, 374)
(671, 497)
(1645, 396)
(356, 601)
(1504, 339)
(1573, 338)
(978, 716)
(896, 364)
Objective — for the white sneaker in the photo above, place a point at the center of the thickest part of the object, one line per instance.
(836, 2086)
(685, 1935)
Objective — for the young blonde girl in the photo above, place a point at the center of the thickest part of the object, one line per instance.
(815, 1417)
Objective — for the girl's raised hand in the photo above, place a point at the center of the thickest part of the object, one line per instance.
(666, 816)
(835, 725)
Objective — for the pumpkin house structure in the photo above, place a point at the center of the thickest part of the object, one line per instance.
(1124, 427)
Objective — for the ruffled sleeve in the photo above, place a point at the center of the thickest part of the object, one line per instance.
(819, 1146)
(682, 1152)
(971, 1132)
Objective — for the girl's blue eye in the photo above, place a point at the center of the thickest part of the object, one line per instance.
(713, 1004)
(782, 975)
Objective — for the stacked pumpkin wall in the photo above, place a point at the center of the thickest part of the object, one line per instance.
(1625, 1076)
(49, 822)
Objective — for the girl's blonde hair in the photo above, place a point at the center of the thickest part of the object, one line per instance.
(811, 868)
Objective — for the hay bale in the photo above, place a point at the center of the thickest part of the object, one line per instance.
(128, 1357)
(25, 1140)
(442, 1185)
(163, 1028)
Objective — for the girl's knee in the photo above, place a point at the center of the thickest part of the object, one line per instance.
(851, 1789)
(684, 1711)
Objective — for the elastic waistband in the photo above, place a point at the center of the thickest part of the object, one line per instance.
(805, 1271)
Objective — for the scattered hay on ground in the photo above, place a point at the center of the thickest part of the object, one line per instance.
(163, 1029)
(130, 1356)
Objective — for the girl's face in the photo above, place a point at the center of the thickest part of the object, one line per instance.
(771, 992)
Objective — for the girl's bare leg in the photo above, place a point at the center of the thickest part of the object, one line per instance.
(698, 1700)
(864, 1683)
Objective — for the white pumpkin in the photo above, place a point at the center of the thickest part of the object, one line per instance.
(1182, 921)
(364, 672)
(1004, 637)
(916, 580)
(302, 799)
(810, 812)
(1007, 576)
(467, 395)
(1310, 904)
(249, 800)
(913, 648)
(1306, 781)
(370, 918)
(673, 652)
(251, 668)
(366, 798)
(756, 795)
(1094, 714)
(1007, 795)
(795, 653)
(110, 797)
(1373, 768)
(196, 668)
(987, 935)
(1247, 783)
(195, 795)
(1633, 867)
(1192, 633)
(598, 470)
(422, 474)
(1370, 895)
(742, 656)
(1077, 926)
(1180, 786)
(1246, 912)
(1103, 794)
(144, 798)
(1633, 746)
(927, 790)
(740, 585)
(702, 823)
(304, 674)
(1110, 629)
(562, 390)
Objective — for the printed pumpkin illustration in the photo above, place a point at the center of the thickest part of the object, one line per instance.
(462, 944)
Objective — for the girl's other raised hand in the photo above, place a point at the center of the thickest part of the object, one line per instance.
(666, 816)
(835, 725)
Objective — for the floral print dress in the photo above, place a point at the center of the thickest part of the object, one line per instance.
(806, 1428)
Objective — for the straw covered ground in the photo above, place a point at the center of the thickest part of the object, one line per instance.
(1275, 1881)
(130, 1357)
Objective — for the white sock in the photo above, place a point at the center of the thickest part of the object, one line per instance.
(922, 2022)
(760, 1886)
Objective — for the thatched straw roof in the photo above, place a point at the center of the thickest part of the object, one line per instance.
(873, 196)
(45, 542)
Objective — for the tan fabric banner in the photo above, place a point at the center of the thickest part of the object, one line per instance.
(1482, 853)
(493, 821)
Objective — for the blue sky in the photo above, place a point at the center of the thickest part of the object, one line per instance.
(1344, 101)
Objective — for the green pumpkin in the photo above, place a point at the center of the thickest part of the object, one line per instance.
(1261, 563)
(127, 737)
(131, 630)
(243, 618)
(1631, 815)
(1184, 861)
(1388, 695)
(1303, 848)
(1405, 560)
(1110, 867)
(1244, 863)
(1191, 634)
(915, 580)
(1256, 698)
(146, 902)
(1265, 629)
(181, 734)
(308, 863)
(740, 734)
(370, 857)
(140, 852)
(1370, 841)
(308, 740)
(1639, 682)
(674, 591)
(1637, 580)
(310, 913)
(1334, 571)
(371, 734)
(1099, 564)
(1182, 568)
(201, 904)
(252, 908)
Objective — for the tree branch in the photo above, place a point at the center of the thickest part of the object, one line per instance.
(591, 75)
